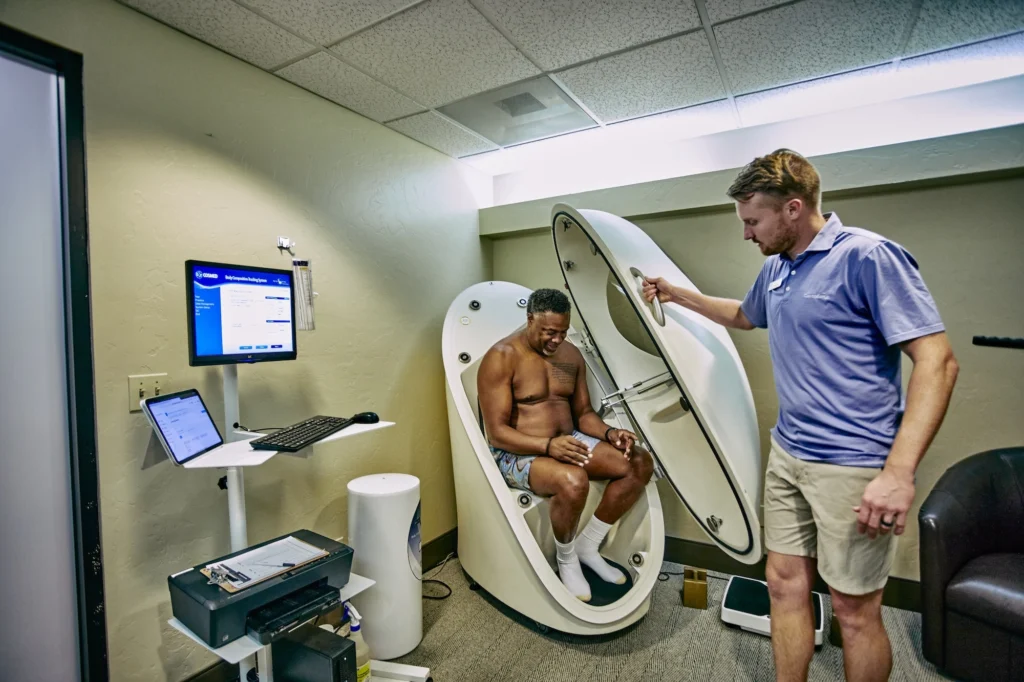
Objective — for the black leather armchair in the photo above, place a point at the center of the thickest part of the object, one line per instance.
(972, 568)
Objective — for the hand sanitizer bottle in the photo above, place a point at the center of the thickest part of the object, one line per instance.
(362, 650)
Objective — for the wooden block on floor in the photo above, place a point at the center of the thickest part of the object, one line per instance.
(695, 588)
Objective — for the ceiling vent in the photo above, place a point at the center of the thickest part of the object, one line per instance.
(519, 113)
(520, 105)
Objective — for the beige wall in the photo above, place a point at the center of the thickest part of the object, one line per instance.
(968, 241)
(194, 154)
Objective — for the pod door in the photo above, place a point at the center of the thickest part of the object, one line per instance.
(676, 374)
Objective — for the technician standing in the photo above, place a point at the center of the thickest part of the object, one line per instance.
(840, 304)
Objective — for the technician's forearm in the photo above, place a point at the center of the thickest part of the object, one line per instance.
(928, 392)
(509, 439)
(724, 311)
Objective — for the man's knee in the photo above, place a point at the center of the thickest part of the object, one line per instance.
(789, 578)
(857, 613)
(642, 466)
(573, 484)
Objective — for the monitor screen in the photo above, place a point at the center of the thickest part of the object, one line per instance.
(186, 426)
(238, 313)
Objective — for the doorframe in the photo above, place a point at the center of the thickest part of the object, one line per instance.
(92, 630)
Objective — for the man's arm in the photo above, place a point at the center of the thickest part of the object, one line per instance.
(494, 387)
(928, 392)
(724, 311)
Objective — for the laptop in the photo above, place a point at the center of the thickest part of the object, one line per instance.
(188, 434)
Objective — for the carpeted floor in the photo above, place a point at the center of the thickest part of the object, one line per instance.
(470, 637)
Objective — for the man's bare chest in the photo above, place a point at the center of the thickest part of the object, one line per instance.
(536, 380)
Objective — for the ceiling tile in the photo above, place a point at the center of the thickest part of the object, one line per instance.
(232, 28)
(437, 52)
(948, 23)
(810, 39)
(842, 91)
(441, 134)
(331, 78)
(668, 75)
(558, 33)
(527, 111)
(966, 65)
(720, 10)
(325, 22)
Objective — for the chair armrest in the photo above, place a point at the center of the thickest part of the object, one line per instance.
(950, 536)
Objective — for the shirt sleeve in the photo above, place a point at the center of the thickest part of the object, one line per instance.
(753, 305)
(896, 295)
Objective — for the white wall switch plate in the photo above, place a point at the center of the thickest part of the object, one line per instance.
(142, 386)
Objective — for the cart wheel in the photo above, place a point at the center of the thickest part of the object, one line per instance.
(541, 628)
(473, 585)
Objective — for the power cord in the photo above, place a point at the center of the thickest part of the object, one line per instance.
(265, 428)
(437, 571)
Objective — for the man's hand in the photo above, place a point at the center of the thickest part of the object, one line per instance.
(656, 286)
(623, 440)
(568, 450)
(885, 504)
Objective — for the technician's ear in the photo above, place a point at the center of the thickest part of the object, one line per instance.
(794, 207)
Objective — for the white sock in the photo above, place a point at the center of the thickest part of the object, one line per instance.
(570, 571)
(587, 544)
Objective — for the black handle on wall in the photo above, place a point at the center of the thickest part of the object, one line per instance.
(999, 341)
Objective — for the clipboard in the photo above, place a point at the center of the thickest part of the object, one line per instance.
(263, 563)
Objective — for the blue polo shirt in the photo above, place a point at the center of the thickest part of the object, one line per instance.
(835, 315)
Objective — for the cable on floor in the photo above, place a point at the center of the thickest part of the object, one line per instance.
(437, 571)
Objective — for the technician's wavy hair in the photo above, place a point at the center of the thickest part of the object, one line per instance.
(547, 301)
(783, 174)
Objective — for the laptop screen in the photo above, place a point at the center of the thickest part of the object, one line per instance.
(185, 424)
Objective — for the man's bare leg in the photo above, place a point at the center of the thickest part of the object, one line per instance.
(627, 479)
(790, 579)
(867, 654)
(567, 486)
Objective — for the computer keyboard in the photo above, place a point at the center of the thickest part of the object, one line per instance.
(303, 434)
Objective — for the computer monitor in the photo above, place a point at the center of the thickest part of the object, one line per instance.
(239, 313)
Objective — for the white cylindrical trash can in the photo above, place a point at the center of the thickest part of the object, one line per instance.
(384, 532)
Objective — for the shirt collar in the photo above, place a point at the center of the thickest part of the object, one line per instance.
(826, 237)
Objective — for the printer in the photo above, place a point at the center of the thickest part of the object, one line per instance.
(217, 616)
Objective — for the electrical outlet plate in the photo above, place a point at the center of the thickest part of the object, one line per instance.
(142, 386)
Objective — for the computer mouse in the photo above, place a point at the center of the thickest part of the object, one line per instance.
(366, 418)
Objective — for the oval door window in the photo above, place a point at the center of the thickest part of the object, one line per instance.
(625, 319)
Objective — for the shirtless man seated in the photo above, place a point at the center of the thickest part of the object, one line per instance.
(546, 437)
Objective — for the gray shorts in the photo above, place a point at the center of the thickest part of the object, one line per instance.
(515, 469)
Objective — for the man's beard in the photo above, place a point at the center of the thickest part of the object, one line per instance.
(785, 240)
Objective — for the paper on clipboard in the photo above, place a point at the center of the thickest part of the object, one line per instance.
(302, 270)
(264, 562)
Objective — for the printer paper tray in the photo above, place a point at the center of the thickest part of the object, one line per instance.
(239, 649)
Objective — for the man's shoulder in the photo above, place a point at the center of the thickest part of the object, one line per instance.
(504, 352)
(857, 244)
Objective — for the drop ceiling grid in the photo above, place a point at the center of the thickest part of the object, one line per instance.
(334, 48)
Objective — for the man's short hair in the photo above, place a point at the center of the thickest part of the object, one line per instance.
(783, 174)
(548, 301)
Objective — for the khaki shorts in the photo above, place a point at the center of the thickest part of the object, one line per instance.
(808, 511)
